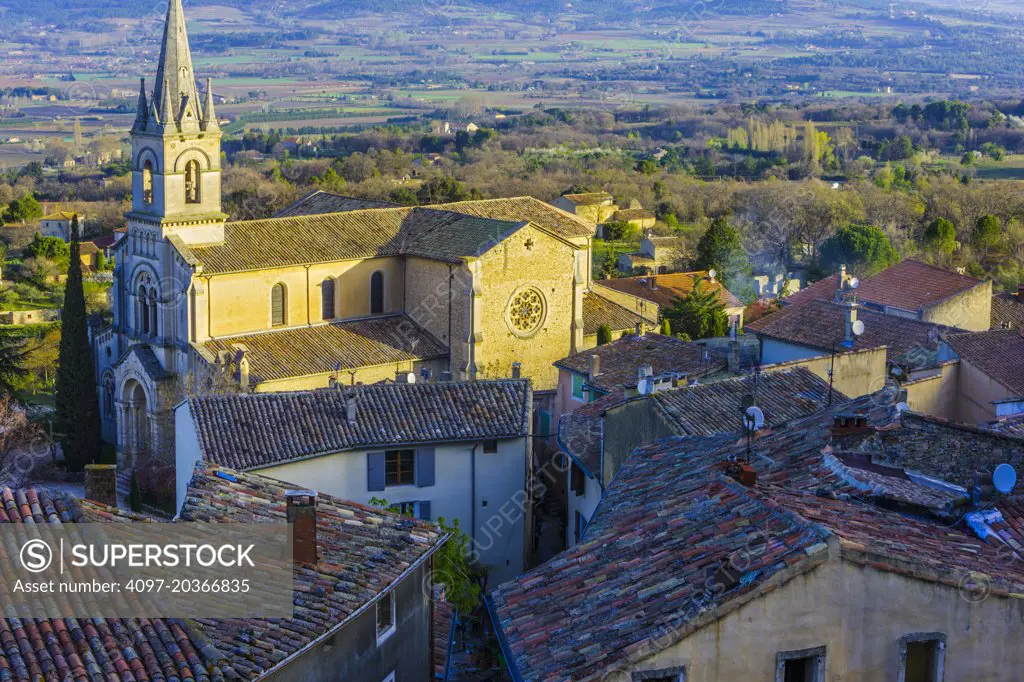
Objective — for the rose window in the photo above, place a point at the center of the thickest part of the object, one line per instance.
(526, 311)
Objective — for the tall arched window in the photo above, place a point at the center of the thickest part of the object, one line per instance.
(147, 182)
(154, 311)
(192, 191)
(143, 307)
(377, 293)
(277, 305)
(327, 299)
(108, 397)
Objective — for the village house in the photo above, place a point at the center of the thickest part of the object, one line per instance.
(457, 450)
(775, 549)
(989, 381)
(913, 290)
(664, 290)
(372, 620)
(333, 291)
(655, 256)
(600, 437)
(1008, 310)
(58, 224)
(636, 217)
(593, 207)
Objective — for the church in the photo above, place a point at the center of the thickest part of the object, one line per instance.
(332, 291)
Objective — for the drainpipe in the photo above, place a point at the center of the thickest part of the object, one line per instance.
(472, 494)
(451, 278)
(309, 312)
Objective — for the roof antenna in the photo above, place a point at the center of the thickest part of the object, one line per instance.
(753, 420)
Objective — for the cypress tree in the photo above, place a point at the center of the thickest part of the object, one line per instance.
(77, 403)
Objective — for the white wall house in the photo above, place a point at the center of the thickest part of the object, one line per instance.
(441, 450)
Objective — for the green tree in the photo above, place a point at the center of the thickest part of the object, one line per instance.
(666, 327)
(616, 230)
(604, 334)
(987, 232)
(721, 249)
(698, 315)
(864, 248)
(610, 265)
(51, 248)
(77, 404)
(24, 209)
(13, 359)
(940, 236)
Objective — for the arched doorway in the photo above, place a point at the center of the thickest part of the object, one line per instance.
(134, 424)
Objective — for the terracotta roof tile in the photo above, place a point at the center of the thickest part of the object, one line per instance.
(667, 288)
(598, 310)
(325, 348)
(247, 430)
(1007, 312)
(999, 354)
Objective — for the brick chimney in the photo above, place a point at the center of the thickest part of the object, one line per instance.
(101, 483)
(302, 519)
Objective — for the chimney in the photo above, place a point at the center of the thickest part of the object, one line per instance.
(405, 378)
(734, 357)
(593, 367)
(517, 370)
(850, 429)
(840, 281)
(645, 371)
(350, 409)
(850, 315)
(639, 328)
(101, 483)
(302, 519)
(446, 375)
(744, 473)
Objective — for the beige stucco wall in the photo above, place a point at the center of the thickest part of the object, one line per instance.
(971, 310)
(935, 395)
(859, 614)
(976, 392)
(857, 373)
(547, 265)
(239, 303)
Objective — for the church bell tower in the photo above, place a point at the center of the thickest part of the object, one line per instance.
(176, 173)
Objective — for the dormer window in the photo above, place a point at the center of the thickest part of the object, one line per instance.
(192, 190)
(147, 182)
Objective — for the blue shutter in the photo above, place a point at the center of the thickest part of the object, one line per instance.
(375, 471)
(425, 510)
(424, 467)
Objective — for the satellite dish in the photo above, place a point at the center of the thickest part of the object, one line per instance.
(753, 417)
(902, 407)
(1004, 478)
(858, 327)
(712, 273)
(897, 372)
(854, 283)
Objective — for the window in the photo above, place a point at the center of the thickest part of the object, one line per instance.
(490, 446)
(400, 467)
(327, 299)
(803, 665)
(577, 479)
(922, 657)
(417, 510)
(144, 311)
(385, 617)
(675, 674)
(377, 293)
(192, 189)
(147, 182)
(577, 387)
(277, 305)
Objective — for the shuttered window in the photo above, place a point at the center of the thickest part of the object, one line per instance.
(400, 467)
(327, 298)
(277, 305)
(377, 293)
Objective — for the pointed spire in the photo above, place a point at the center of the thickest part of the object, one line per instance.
(209, 115)
(166, 108)
(175, 79)
(142, 109)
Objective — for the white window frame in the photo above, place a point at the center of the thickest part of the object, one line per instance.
(818, 653)
(939, 638)
(384, 636)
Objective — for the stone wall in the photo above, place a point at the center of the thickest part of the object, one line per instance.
(948, 451)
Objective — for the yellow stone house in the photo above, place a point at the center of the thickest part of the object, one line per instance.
(331, 291)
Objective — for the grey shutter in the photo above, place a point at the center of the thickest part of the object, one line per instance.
(327, 296)
(375, 471)
(425, 510)
(424, 467)
(277, 305)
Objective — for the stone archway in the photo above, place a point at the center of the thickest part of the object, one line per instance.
(135, 431)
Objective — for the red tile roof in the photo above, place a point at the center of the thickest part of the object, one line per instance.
(667, 288)
(909, 285)
(999, 354)
(1007, 311)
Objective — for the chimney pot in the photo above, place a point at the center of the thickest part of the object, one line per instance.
(301, 510)
(101, 483)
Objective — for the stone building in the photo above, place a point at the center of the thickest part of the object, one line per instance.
(333, 290)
